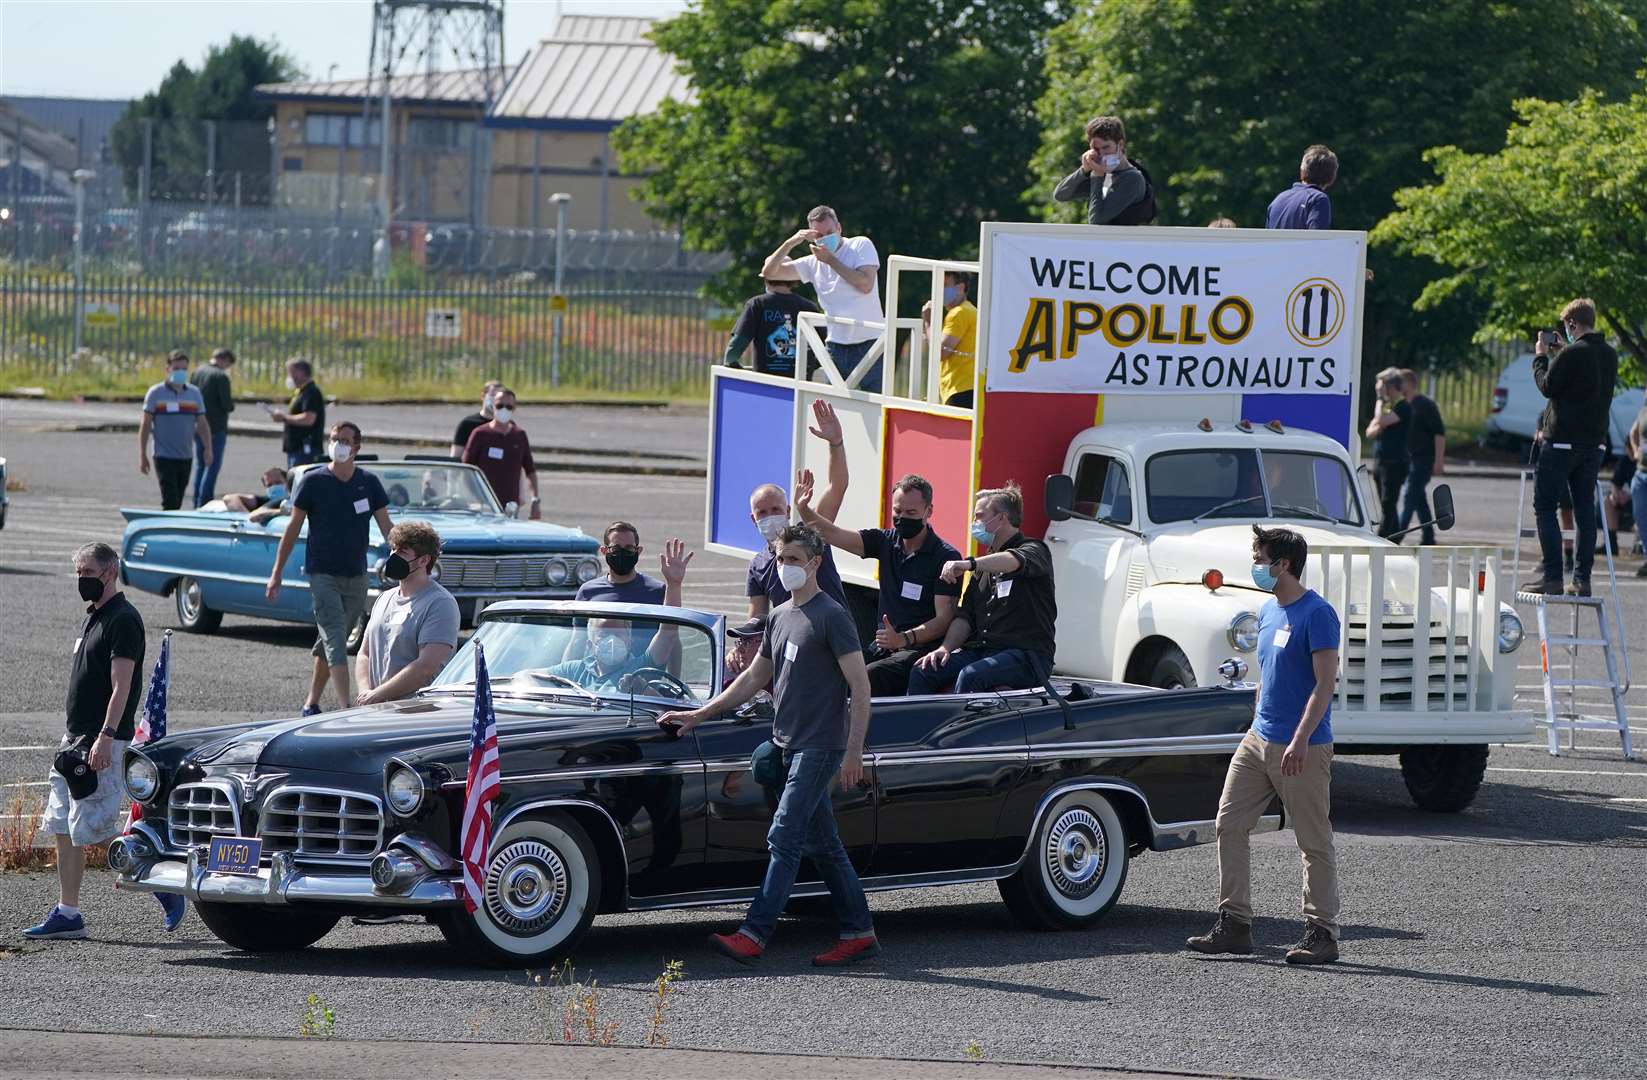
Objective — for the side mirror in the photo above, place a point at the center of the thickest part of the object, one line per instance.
(1443, 497)
(1059, 496)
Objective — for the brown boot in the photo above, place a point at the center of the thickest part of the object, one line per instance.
(1318, 947)
(1579, 587)
(1228, 935)
(1541, 587)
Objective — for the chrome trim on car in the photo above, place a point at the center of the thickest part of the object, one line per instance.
(599, 772)
(230, 804)
(1177, 744)
(1177, 834)
(939, 757)
(282, 882)
(879, 883)
(341, 836)
(433, 856)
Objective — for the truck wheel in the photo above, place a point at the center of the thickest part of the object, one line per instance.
(1169, 669)
(255, 928)
(1443, 779)
(192, 612)
(1075, 869)
(542, 888)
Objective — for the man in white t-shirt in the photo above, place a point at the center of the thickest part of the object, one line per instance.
(843, 270)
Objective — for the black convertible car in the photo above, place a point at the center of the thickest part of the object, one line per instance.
(1049, 794)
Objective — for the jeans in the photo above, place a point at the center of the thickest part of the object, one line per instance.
(1387, 478)
(205, 476)
(977, 670)
(846, 358)
(804, 826)
(1638, 503)
(294, 458)
(1415, 500)
(1575, 472)
(173, 474)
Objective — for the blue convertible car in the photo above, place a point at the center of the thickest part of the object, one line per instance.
(217, 563)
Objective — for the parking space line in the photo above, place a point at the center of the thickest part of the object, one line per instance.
(1568, 772)
(4, 748)
(29, 783)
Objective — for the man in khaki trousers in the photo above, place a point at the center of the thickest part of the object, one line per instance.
(1288, 753)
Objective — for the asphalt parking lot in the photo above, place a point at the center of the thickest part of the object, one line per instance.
(1504, 941)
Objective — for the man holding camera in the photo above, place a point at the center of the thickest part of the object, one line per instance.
(1578, 380)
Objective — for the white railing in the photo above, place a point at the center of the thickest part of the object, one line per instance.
(924, 360)
(1420, 625)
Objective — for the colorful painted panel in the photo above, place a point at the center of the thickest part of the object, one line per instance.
(751, 438)
(938, 448)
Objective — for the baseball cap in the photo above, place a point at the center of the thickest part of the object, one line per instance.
(755, 627)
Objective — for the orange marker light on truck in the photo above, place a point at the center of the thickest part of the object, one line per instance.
(1213, 579)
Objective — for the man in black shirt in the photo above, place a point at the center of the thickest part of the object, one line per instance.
(1391, 419)
(1579, 383)
(916, 604)
(1005, 635)
(1427, 448)
(770, 322)
(466, 427)
(304, 418)
(101, 710)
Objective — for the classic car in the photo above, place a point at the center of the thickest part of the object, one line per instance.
(214, 563)
(1051, 793)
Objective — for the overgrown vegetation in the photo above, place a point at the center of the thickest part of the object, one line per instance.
(317, 1020)
(19, 828)
(573, 1008)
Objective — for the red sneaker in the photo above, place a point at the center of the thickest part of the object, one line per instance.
(848, 951)
(738, 946)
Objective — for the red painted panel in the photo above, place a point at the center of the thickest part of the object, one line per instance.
(1024, 438)
(940, 449)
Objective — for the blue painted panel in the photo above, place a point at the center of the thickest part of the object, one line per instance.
(1328, 414)
(754, 429)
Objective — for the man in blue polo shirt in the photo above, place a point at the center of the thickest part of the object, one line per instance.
(174, 412)
(1288, 753)
(916, 604)
(339, 502)
(1306, 205)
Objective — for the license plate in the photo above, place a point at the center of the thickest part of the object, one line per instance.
(234, 855)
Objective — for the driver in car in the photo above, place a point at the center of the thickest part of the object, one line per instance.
(610, 656)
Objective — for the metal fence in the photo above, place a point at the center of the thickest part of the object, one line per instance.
(1465, 396)
(382, 339)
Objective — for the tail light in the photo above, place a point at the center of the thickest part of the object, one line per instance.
(1501, 397)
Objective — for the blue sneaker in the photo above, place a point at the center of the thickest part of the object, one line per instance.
(175, 908)
(58, 927)
(310, 710)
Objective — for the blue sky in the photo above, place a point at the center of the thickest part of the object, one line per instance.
(122, 48)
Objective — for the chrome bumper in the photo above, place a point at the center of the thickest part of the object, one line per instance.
(141, 869)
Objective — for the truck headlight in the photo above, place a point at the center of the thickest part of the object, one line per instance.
(1243, 632)
(405, 790)
(142, 777)
(1510, 632)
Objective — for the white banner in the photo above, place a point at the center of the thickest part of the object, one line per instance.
(1208, 311)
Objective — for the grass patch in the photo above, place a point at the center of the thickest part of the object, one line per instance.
(20, 824)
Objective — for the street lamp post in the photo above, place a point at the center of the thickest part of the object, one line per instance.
(80, 178)
(559, 201)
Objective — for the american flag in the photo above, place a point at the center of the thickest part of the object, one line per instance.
(482, 787)
(152, 725)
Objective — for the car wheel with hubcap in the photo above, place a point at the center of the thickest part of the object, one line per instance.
(540, 892)
(357, 634)
(255, 928)
(192, 611)
(1076, 867)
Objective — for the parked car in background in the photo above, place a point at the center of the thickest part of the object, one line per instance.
(217, 563)
(1517, 404)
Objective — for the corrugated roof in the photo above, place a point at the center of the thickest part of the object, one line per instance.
(601, 28)
(590, 82)
(458, 86)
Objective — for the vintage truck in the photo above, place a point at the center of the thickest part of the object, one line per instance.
(1146, 470)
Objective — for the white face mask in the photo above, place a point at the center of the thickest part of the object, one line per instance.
(340, 452)
(291, 383)
(771, 525)
(1112, 161)
(486, 403)
(791, 577)
(502, 415)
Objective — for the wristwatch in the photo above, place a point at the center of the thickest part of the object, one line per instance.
(971, 563)
(110, 732)
(909, 639)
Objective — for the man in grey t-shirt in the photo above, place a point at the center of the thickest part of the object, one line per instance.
(174, 413)
(414, 626)
(812, 647)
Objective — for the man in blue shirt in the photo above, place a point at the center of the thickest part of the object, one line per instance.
(1305, 205)
(620, 546)
(1287, 754)
(174, 413)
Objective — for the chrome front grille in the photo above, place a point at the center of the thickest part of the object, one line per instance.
(495, 572)
(198, 812)
(319, 823)
(1397, 667)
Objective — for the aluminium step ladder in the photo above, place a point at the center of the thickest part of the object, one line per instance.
(1562, 712)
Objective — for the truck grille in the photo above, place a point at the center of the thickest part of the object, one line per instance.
(499, 572)
(320, 824)
(198, 812)
(1396, 669)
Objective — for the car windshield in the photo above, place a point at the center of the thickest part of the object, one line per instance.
(1184, 485)
(584, 655)
(450, 488)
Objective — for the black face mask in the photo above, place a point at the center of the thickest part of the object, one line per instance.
(622, 560)
(396, 568)
(908, 528)
(91, 589)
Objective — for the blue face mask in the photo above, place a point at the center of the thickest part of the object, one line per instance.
(952, 295)
(830, 242)
(177, 376)
(982, 533)
(277, 492)
(1263, 576)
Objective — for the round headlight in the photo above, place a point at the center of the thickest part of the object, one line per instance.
(588, 570)
(142, 777)
(556, 572)
(1510, 632)
(405, 790)
(1243, 632)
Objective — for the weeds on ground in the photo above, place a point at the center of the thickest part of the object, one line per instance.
(20, 824)
(663, 988)
(972, 1051)
(16, 483)
(561, 996)
(317, 1019)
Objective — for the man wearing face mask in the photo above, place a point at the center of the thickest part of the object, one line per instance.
(842, 270)
(501, 450)
(304, 417)
(1287, 754)
(620, 546)
(1115, 190)
(466, 427)
(174, 412)
(769, 509)
(1005, 634)
(339, 502)
(414, 626)
(617, 648)
(958, 336)
(916, 603)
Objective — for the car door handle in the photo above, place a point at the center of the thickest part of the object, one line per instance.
(1055, 539)
(983, 705)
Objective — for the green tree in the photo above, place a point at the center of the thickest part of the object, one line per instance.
(913, 118)
(1220, 98)
(1560, 212)
(222, 90)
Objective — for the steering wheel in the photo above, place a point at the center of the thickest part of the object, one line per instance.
(657, 679)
